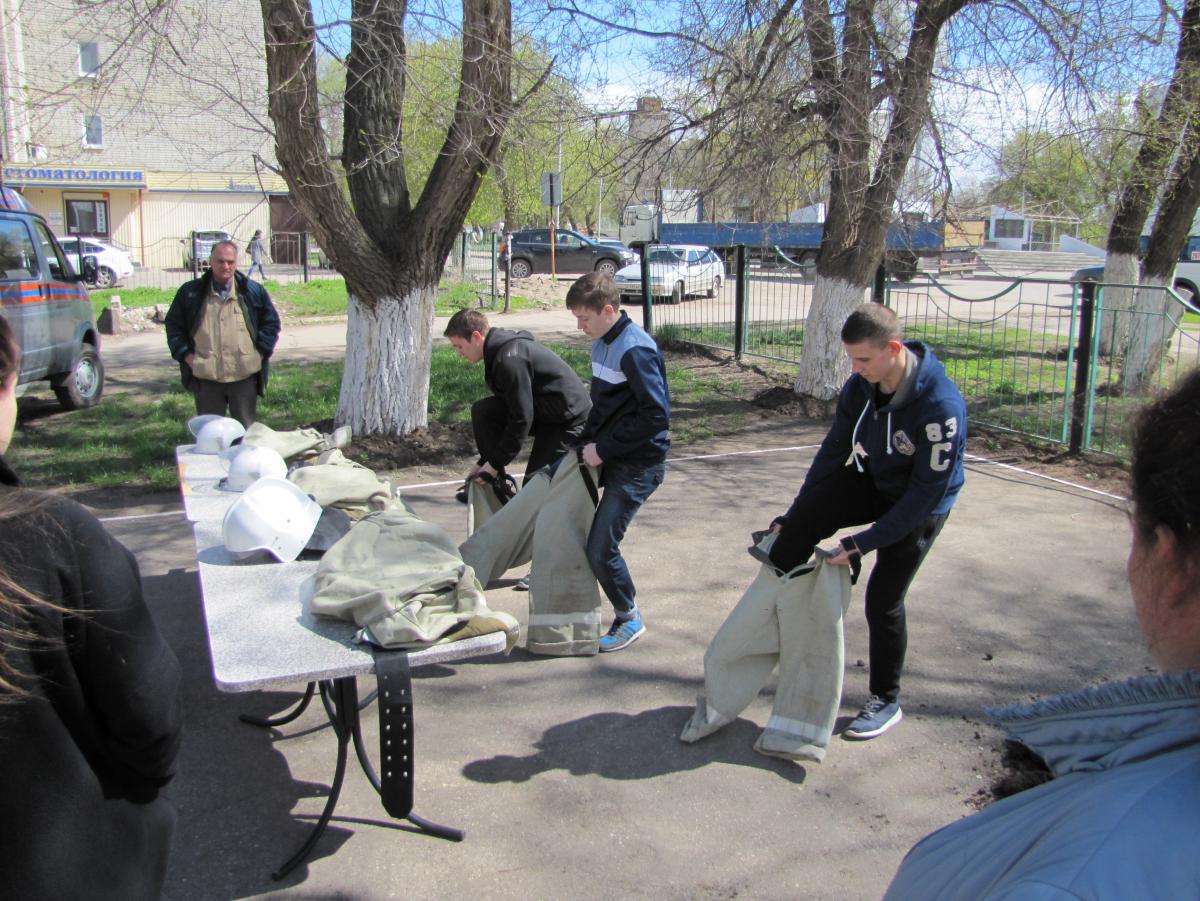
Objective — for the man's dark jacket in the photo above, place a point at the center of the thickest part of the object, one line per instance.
(183, 318)
(537, 386)
(86, 751)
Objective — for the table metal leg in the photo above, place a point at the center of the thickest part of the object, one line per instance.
(340, 698)
(283, 720)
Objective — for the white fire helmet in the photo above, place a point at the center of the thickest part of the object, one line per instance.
(272, 515)
(196, 423)
(248, 464)
(218, 434)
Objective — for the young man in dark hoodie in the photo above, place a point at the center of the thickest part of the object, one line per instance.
(626, 435)
(534, 392)
(894, 459)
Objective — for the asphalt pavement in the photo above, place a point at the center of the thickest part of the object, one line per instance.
(567, 773)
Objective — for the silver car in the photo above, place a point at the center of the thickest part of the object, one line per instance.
(676, 271)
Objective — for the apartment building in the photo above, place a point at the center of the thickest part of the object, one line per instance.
(139, 123)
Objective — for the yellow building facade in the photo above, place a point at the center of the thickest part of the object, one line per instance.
(109, 132)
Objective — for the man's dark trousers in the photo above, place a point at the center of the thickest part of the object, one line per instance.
(489, 419)
(848, 498)
(241, 397)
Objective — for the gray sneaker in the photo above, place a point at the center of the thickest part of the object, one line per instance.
(522, 583)
(876, 717)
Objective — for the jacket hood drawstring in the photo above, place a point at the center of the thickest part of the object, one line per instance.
(854, 436)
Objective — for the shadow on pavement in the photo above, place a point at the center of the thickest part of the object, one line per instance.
(631, 746)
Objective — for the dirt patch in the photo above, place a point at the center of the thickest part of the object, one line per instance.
(436, 445)
(1092, 470)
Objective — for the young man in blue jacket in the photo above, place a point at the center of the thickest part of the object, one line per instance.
(626, 434)
(893, 459)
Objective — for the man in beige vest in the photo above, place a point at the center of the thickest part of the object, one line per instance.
(222, 328)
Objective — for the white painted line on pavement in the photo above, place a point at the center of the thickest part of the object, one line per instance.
(139, 516)
(1038, 475)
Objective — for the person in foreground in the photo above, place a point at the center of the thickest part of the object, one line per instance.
(1120, 817)
(222, 329)
(626, 434)
(90, 710)
(893, 458)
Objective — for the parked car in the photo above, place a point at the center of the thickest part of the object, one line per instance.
(676, 271)
(112, 264)
(1186, 281)
(205, 241)
(573, 253)
(48, 307)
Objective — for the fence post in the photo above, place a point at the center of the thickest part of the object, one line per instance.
(492, 257)
(1083, 363)
(647, 298)
(741, 297)
(304, 254)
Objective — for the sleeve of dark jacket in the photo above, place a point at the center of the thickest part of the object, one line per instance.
(129, 673)
(179, 339)
(512, 381)
(268, 322)
(836, 446)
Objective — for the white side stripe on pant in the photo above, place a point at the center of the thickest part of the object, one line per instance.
(589, 618)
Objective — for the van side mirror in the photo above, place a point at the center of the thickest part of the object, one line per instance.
(89, 269)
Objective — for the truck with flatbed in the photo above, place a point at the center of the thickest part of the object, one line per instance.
(911, 245)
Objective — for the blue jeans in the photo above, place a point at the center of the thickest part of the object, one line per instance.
(262, 273)
(626, 488)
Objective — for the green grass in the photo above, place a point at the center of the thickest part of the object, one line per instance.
(319, 297)
(128, 440)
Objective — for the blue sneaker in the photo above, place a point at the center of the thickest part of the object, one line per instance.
(622, 634)
(876, 717)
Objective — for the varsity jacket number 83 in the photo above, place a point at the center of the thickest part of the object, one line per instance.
(912, 447)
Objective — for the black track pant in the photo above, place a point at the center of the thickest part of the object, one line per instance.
(489, 418)
(848, 498)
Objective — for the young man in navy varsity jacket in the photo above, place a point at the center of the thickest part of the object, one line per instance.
(893, 459)
(626, 434)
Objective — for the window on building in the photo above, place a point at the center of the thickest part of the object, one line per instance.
(17, 257)
(1010, 228)
(87, 217)
(93, 131)
(89, 59)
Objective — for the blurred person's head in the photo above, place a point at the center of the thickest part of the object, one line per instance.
(596, 304)
(874, 342)
(1164, 559)
(466, 331)
(223, 261)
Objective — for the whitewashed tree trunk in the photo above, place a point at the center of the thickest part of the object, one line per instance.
(385, 386)
(1150, 333)
(824, 366)
(1121, 268)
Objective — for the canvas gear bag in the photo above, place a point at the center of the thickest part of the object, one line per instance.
(794, 621)
(564, 599)
(485, 498)
(505, 539)
(297, 443)
(402, 581)
(332, 480)
(548, 522)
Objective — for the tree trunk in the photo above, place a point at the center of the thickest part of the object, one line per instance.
(824, 366)
(1119, 268)
(1151, 331)
(385, 385)
(1141, 189)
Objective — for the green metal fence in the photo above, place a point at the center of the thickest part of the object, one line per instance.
(1046, 358)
